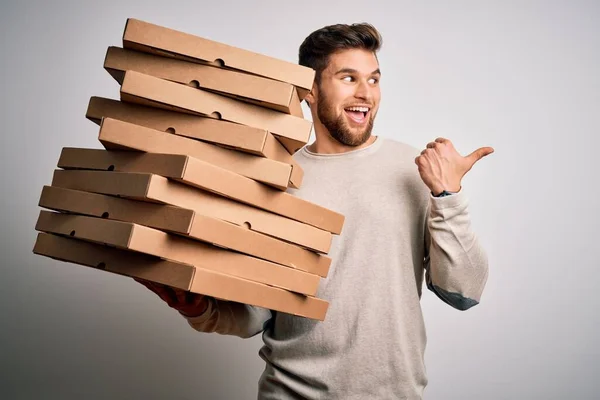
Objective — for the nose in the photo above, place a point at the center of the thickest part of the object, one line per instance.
(363, 90)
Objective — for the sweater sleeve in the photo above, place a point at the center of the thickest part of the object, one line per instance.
(456, 265)
(231, 318)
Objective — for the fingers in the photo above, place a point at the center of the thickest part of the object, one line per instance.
(193, 298)
(197, 299)
(175, 298)
(146, 283)
(479, 154)
(189, 298)
(430, 147)
(422, 161)
(484, 151)
(180, 296)
(164, 292)
(439, 141)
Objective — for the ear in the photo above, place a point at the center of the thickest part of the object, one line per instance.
(310, 97)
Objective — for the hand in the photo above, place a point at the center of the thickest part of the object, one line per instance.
(442, 168)
(187, 303)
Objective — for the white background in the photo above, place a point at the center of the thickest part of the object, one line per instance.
(520, 76)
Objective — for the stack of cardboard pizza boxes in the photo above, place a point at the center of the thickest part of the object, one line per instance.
(191, 188)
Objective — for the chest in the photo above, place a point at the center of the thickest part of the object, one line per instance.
(378, 201)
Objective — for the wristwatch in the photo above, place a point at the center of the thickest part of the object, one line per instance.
(443, 194)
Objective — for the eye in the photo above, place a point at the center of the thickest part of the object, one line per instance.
(348, 78)
(374, 80)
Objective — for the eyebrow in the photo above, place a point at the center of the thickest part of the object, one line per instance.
(353, 71)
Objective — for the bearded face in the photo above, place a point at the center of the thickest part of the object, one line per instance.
(347, 96)
(350, 125)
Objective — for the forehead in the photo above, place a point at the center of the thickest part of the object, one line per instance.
(363, 61)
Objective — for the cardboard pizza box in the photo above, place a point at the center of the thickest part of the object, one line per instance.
(193, 172)
(276, 95)
(293, 132)
(155, 39)
(159, 216)
(158, 189)
(178, 275)
(121, 135)
(226, 134)
(134, 237)
(196, 226)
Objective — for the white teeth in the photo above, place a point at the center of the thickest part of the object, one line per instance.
(360, 109)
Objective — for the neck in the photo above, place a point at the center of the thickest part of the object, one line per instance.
(325, 144)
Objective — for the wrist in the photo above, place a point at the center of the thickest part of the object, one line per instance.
(196, 312)
(445, 190)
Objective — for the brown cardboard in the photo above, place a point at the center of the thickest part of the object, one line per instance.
(206, 176)
(293, 132)
(178, 275)
(159, 216)
(296, 106)
(227, 134)
(151, 38)
(252, 89)
(119, 135)
(153, 188)
(150, 241)
(199, 227)
(122, 262)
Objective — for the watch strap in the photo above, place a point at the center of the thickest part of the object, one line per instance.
(443, 194)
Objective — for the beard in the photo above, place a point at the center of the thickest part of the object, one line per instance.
(338, 127)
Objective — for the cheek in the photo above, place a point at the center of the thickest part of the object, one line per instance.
(340, 94)
(376, 103)
(377, 98)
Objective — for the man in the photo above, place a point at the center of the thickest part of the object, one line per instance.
(406, 221)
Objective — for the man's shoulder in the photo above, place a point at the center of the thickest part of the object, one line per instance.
(401, 156)
(399, 146)
(397, 151)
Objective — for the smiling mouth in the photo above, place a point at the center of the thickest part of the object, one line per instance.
(358, 114)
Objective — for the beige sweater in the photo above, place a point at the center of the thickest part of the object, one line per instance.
(396, 235)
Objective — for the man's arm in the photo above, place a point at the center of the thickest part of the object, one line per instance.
(207, 314)
(230, 318)
(456, 264)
